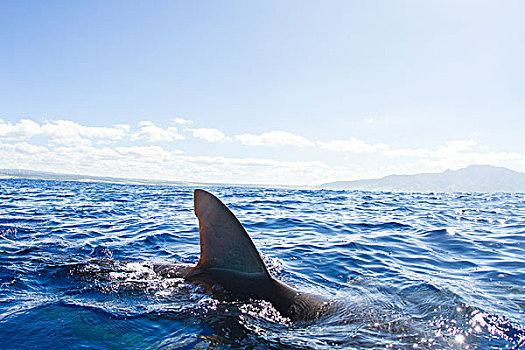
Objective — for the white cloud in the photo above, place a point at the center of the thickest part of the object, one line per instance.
(451, 149)
(353, 145)
(153, 153)
(67, 132)
(22, 130)
(456, 146)
(253, 162)
(66, 129)
(60, 131)
(182, 121)
(123, 127)
(27, 148)
(253, 170)
(23, 155)
(24, 148)
(152, 133)
(407, 152)
(451, 155)
(66, 146)
(155, 162)
(148, 162)
(274, 139)
(209, 134)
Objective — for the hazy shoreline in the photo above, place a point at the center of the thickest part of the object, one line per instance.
(474, 178)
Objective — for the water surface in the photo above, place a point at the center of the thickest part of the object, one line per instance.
(428, 271)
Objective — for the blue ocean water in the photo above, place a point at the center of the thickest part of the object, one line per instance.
(426, 271)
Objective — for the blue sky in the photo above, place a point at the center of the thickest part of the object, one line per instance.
(277, 92)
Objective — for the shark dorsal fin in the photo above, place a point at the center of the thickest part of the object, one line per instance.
(224, 241)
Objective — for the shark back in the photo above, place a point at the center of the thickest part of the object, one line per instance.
(225, 245)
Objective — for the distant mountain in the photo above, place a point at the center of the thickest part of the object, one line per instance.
(475, 178)
(44, 175)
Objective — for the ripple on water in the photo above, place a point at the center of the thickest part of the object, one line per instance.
(408, 270)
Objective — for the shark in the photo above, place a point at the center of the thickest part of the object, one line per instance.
(230, 260)
(229, 265)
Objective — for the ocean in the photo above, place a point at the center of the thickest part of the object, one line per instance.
(407, 270)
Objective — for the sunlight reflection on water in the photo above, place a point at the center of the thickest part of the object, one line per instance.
(409, 270)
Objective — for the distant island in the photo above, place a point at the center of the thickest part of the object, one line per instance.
(474, 178)
(44, 175)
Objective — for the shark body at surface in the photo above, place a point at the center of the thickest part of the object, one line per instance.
(230, 259)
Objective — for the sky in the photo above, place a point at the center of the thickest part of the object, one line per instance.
(261, 92)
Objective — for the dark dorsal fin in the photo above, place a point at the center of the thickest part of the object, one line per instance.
(224, 241)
